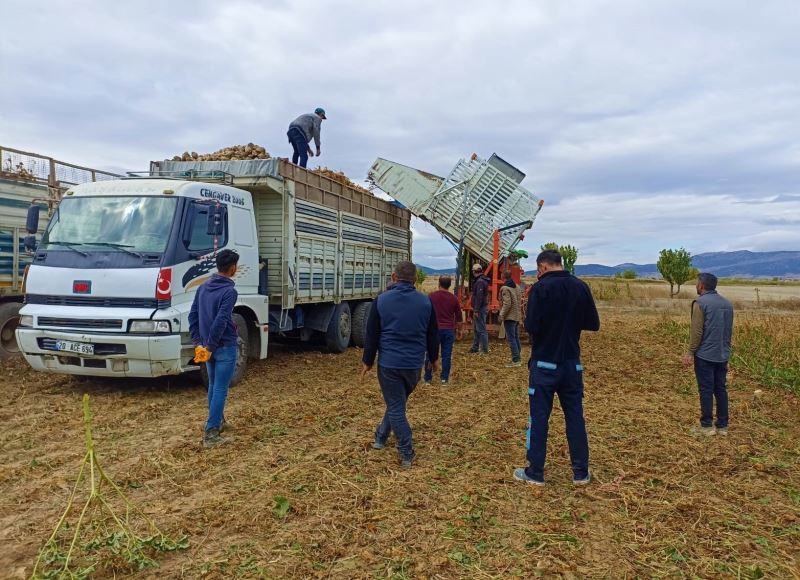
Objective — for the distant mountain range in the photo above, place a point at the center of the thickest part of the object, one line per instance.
(740, 264)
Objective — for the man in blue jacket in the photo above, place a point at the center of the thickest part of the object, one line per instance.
(559, 308)
(211, 326)
(402, 328)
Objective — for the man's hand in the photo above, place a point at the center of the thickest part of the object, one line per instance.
(319, 152)
(365, 368)
(310, 152)
(687, 359)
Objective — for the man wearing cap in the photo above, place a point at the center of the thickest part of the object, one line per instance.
(301, 131)
(480, 310)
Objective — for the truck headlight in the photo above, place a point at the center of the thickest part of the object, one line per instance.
(150, 326)
(26, 320)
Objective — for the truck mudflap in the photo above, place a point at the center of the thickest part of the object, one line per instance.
(104, 355)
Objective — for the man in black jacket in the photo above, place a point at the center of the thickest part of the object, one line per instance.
(401, 330)
(480, 310)
(559, 308)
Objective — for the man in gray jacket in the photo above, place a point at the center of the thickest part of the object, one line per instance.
(710, 349)
(301, 131)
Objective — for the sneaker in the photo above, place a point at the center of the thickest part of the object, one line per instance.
(378, 444)
(444, 383)
(514, 364)
(212, 438)
(520, 475)
(473, 351)
(427, 382)
(583, 481)
(704, 431)
(722, 431)
(407, 460)
(226, 426)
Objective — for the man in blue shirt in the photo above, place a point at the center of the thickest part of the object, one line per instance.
(402, 328)
(559, 308)
(211, 326)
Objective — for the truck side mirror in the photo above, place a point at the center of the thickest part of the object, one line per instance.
(32, 219)
(216, 220)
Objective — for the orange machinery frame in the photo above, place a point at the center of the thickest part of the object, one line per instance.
(494, 271)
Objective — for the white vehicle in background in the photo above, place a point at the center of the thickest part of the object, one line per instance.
(111, 284)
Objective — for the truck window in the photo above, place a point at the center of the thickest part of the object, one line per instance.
(242, 230)
(198, 239)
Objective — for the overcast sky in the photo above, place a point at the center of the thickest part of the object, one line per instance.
(643, 124)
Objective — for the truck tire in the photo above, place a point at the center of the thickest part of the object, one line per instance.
(9, 320)
(337, 337)
(360, 317)
(243, 343)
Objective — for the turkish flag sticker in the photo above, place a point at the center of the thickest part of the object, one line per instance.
(164, 284)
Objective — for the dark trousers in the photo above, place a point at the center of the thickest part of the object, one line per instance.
(446, 340)
(512, 336)
(711, 382)
(298, 140)
(396, 386)
(480, 339)
(565, 379)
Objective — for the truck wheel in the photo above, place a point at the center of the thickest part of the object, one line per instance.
(337, 338)
(9, 320)
(243, 344)
(360, 317)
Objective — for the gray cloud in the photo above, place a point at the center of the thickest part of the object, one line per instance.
(642, 124)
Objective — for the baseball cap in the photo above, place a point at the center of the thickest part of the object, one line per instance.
(321, 112)
(477, 267)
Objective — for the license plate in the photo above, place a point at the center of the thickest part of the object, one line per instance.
(76, 347)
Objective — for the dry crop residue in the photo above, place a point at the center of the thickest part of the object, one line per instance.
(300, 493)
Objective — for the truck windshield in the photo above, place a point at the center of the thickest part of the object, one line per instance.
(116, 224)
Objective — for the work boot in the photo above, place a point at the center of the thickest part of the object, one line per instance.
(212, 438)
(520, 475)
(407, 460)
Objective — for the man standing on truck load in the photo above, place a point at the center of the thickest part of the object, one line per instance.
(301, 131)
(560, 307)
(510, 315)
(448, 315)
(212, 329)
(402, 328)
(480, 310)
(710, 349)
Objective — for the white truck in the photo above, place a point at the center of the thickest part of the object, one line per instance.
(112, 282)
(30, 184)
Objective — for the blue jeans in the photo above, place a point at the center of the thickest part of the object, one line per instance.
(446, 340)
(512, 336)
(711, 382)
(547, 379)
(396, 386)
(220, 372)
(298, 140)
(480, 339)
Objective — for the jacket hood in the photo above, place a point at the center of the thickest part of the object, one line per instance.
(217, 283)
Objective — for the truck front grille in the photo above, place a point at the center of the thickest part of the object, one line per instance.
(92, 323)
(100, 301)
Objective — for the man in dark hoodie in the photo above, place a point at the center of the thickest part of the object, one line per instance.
(480, 310)
(211, 326)
(402, 327)
(559, 308)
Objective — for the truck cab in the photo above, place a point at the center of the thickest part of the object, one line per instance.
(111, 284)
